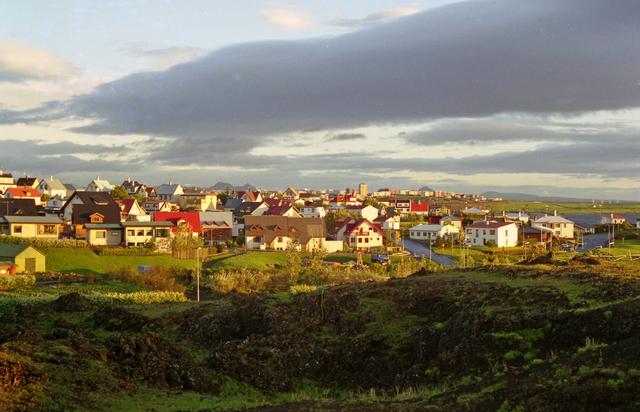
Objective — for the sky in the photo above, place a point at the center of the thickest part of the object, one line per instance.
(532, 96)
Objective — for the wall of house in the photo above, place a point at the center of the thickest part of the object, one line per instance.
(255, 242)
(332, 246)
(112, 237)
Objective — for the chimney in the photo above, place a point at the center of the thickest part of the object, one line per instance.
(555, 213)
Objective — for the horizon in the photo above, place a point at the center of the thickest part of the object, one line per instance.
(537, 98)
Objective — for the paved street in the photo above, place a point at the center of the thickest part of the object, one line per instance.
(418, 250)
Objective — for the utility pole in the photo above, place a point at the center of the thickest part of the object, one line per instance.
(198, 274)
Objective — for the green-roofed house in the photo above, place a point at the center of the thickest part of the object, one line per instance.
(26, 258)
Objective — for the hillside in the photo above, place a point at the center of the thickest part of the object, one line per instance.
(537, 338)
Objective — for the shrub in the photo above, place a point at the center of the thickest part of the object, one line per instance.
(298, 289)
(128, 251)
(16, 281)
(45, 243)
(139, 297)
(241, 281)
(157, 278)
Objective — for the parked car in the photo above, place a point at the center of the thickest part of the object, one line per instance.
(381, 258)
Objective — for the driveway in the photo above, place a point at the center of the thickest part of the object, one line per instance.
(418, 250)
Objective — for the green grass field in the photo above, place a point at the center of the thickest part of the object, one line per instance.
(250, 260)
(84, 261)
(528, 206)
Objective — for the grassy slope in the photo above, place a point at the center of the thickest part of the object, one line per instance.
(250, 260)
(513, 205)
(86, 262)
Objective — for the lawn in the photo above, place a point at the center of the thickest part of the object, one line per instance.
(84, 261)
(250, 260)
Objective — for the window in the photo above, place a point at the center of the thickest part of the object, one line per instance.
(353, 240)
(49, 229)
(140, 233)
(17, 229)
(366, 240)
(149, 232)
(130, 232)
(101, 234)
(492, 232)
(280, 239)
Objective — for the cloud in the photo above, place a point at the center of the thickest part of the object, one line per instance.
(341, 137)
(163, 58)
(375, 17)
(19, 62)
(288, 19)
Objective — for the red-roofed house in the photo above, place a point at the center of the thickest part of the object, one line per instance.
(189, 221)
(360, 234)
(23, 193)
(276, 202)
(503, 234)
(419, 208)
(131, 211)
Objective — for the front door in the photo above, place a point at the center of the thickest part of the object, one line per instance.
(30, 265)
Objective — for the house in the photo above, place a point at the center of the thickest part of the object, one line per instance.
(169, 193)
(536, 235)
(197, 199)
(102, 234)
(282, 233)
(249, 195)
(142, 233)
(187, 222)
(31, 182)
(286, 210)
(367, 212)
(612, 219)
(94, 208)
(451, 220)
(99, 185)
(23, 193)
(8, 268)
(313, 211)
(18, 207)
(130, 210)
(430, 233)
(419, 208)
(562, 228)
(387, 222)
(503, 234)
(152, 205)
(26, 259)
(517, 217)
(217, 225)
(232, 204)
(52, 187)
(6, 181)
(70, 189)
(55, 204)
(360, 234)
(36, 227)
(475, 213)
(291, 193)
(251, 209)
(134, 188)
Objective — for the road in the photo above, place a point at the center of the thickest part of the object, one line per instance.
(418, 250)
(594, 241)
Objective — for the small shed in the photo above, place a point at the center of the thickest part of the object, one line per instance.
(27, 259)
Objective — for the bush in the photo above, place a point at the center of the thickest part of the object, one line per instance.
(45, 243)
(298, 289)
(128, 251)
(240, 281)
(139, 297)
(157, 278)
(16, 281)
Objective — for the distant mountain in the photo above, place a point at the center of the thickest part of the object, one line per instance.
(426, 189)
(533, 198)
(224, 186)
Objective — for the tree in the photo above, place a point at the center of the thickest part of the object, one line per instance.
(119, 192)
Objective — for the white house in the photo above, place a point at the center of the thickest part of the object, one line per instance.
(452, 221)
(562, 227)
(360, 234)
(638, 223)
(517, 217)
(313, 211)
(612, 219)
(169, 193)
(388, 222)
(432, 232)
(52, 187)
(99, 185)
(503, 234)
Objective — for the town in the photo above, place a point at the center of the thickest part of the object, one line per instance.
(422, 223)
